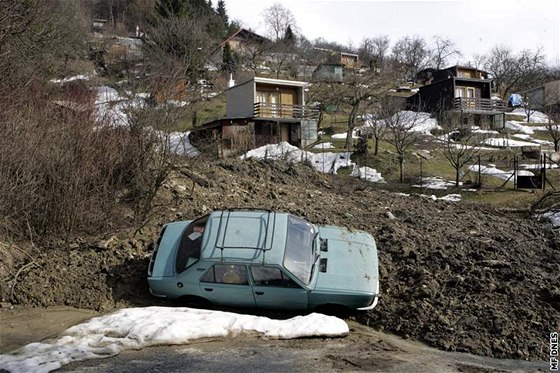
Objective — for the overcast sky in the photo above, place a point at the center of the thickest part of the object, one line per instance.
(474, 26)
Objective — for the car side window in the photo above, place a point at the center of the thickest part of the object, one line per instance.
(271, 276)
(226, 274)
(188, 252)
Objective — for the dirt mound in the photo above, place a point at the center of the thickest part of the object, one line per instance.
(455, 275)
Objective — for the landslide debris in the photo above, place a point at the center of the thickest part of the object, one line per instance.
(456, 275)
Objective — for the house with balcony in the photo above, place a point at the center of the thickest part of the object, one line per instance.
(261, 111)
(465, 92)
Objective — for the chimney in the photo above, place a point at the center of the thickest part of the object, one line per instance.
(231, 82)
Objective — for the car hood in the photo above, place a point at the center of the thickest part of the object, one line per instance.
(351, 261)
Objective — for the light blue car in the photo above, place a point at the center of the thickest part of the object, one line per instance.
(264, 259)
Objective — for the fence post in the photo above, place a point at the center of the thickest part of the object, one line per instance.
(515, 166)
(421, 174)
(543, 171)
(479, 172)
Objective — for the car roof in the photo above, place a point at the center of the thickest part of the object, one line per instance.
(248, 236)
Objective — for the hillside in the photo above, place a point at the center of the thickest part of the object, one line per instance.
(456, 275)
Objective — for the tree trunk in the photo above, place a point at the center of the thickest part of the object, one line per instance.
(401, 162)
(457, 177)
(376, 148)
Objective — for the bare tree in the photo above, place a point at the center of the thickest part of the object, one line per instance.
(411, 54)
(376, 128)
(514, 71)
(443, 50)
(374, 51)
(460, 145)
(278, 18)
(402, 129)
(551, 106)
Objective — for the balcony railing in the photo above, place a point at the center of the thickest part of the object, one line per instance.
(479, 104)
(266, 110)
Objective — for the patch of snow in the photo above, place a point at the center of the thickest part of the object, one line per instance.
(552, 216)
(477, 129)
(72, 78)
(449, 197)
(111, 109)
(518, 126)
(535, 117)
(180, 144)
(420, 121)
(491, 170)
(136, 328)
(529, 138)
(342, 136)
(326, 162)
(175, 103)
(503, 142)
(435, 183)
(367, 173)
(324, 145)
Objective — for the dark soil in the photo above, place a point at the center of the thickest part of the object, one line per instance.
(458, 276)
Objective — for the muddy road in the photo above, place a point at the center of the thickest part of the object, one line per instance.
(362, 350)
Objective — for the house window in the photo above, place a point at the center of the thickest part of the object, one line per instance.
(465, 121)
(269, 103)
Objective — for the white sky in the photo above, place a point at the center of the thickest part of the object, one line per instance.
(135, 328)
(475, 26)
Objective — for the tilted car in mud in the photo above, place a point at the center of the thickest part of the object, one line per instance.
(264, 259)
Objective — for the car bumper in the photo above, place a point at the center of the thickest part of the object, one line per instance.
(371, 306)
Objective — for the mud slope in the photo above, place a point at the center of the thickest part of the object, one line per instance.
(455, 275)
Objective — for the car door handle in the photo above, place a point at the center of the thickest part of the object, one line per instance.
(208, 289)
(259, 292)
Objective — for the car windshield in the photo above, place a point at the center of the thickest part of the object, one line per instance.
(300, 248)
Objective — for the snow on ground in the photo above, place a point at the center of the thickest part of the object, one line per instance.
(518, 126)
(435, 183)
(326, 162)
(136, 328)
(536, 116)
(367, 173)
(180, 144)
(450, 197)
(72, 78)
(111, 109)
(421, 122)
(324, 145)
(552, 216)
(491, 170)
(342, 136)
(529, 138)
(503, 142)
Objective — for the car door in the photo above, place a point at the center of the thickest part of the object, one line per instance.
(273, 288)
(227, 284)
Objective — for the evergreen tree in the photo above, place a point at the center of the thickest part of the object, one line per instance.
(289, 36)
(228, 59)
(222, 13)
(170, 8)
